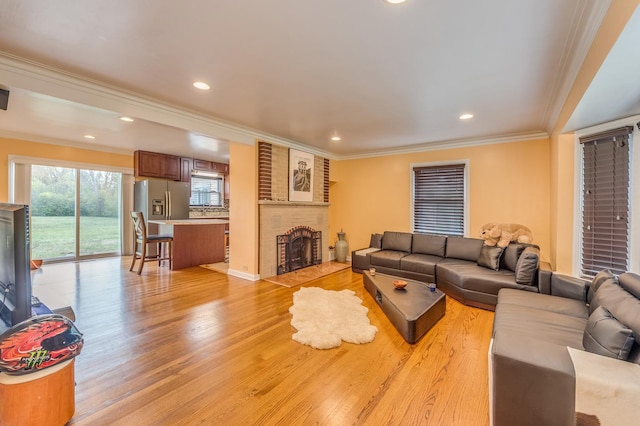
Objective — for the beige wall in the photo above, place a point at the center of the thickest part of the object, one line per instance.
(563, 183)
(562, 202)
(243, 209)
(508, 182)
(52, 152)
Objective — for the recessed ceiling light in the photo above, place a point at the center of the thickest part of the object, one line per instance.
(336, 138)
(89, 136)
(395, 1)
(127, 119)
(466, 116)
(201, 85)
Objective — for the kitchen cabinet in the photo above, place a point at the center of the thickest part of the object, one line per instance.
(185, 169)
(153, 164)
(227, 187)
(210, 166)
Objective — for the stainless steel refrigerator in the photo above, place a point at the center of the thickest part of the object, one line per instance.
(161, 199)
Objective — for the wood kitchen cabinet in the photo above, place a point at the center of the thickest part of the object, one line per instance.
(185, 169)
(210, 166)
(153, 164)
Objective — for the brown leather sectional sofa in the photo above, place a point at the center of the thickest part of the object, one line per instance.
(532, 379)
(464, 268)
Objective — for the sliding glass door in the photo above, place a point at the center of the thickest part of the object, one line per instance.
(74, 212)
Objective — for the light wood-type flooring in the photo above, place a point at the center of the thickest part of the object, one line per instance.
(199, 347)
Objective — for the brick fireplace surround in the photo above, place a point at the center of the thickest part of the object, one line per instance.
(277, 217)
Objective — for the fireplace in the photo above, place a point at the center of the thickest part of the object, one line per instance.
(298, 248)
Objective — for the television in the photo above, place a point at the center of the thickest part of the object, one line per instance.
(15, 264)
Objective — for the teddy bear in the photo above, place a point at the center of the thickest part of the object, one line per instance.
(501, 234)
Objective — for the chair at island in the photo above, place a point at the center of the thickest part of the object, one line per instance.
(142, 240)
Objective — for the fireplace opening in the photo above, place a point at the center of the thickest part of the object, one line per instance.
(298, 248)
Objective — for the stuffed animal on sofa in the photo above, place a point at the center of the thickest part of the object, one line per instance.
(501, 234)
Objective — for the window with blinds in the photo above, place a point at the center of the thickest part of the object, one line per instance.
(206, 191)
(605, 202)
(438, 199)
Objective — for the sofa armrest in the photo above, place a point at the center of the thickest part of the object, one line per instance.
(544, 277)
(531, 381)
(569, 287)
(361, 258)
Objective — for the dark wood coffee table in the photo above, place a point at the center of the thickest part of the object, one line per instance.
(413, 310)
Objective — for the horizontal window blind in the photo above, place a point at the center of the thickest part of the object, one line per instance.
(206, 191)
(438, 194)
(605, 202)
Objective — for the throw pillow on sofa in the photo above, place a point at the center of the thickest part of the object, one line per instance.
(597, 281)
(624, 306)
(490, 257)
(605, 335)
(527, 266)
(376, 241)
(511, 255)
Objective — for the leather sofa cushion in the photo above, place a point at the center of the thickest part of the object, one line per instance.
(398, 241)
(511, 255)
(469, 276)
(544, 302)
(490, 257)
(420, 263)
(624, 306)
(597, 281)
(527, 266)
(464, 248)
(630, 282)
(605, 335)
(429, 244)
(387, 258)
(536, 324)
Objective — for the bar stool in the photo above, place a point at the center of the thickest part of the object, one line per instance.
(226, 246)
(142, 240)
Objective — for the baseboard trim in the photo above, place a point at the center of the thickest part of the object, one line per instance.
(243, 275)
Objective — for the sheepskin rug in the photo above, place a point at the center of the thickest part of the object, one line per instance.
(324, 318)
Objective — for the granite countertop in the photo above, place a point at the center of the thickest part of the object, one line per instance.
(191, 222)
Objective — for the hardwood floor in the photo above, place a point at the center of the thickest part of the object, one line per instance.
(199, 347)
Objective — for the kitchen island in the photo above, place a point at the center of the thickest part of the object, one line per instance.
(195, 241)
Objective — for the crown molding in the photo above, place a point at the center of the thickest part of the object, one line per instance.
(29, 75)
(632, 120)
(62, 142)
(584, 27)
(40, 78)
(450, 144)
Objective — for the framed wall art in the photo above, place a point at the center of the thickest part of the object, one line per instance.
(300, 175)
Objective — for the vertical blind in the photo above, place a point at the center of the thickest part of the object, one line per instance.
(206, 191)
(605, 202)
(438, 199)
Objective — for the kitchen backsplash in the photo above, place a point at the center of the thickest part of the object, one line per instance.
(207, 211)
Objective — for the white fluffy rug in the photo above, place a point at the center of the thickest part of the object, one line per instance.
(324, 318)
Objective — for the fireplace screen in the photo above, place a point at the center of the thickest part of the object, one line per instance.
(298, 248)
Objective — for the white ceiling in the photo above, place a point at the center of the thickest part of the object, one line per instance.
(383, 77)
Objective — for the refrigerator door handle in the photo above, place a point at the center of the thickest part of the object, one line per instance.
(166, 205)
(170, 212)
